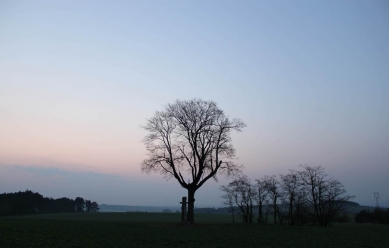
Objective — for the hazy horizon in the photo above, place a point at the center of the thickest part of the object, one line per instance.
(79, 79)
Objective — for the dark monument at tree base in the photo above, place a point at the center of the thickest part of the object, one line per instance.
(183, 210)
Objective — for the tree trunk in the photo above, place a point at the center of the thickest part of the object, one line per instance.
(191, 199)
(275, 211)
(291, 216)
(260, 212)
(233, 214)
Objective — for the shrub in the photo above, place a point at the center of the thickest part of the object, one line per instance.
(378, 216)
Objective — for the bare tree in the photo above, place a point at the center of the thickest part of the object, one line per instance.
(229, 196)
(95, 207)
(241, 192)
(325, 195)
(272, 185)
(260, 197)
(190, 141)
(336, 201)
(88, 206)
(291, 186)
(79, 204)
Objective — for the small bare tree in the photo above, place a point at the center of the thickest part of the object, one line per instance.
(291, 186)
(229, 196)
(272, 185)
(190, 141)
(260, 197)
(241, 193)
(325, 195)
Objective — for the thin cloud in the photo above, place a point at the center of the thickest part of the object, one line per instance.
(54, 172)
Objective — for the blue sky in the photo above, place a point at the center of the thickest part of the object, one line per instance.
(78, 79)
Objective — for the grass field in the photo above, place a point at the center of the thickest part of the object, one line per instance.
(163, 230)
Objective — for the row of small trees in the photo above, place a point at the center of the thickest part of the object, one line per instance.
(29, 202)
(300, 197)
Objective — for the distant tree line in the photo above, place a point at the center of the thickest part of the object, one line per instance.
(301, 197)
(378, 216)
(28, 202)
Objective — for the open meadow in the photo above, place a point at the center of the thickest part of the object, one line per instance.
(163, 230)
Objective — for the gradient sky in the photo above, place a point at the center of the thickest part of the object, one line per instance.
(78, 79)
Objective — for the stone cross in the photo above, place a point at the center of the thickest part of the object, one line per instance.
(183, 209)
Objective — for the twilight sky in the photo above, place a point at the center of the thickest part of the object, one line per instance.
(78, 79)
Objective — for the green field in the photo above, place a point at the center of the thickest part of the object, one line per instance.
(164, 230)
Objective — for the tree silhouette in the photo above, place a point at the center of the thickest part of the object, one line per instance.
(260, 197)
(190, 141)
(79, 204)
(272, 186)
(88, 206)
(294, 196)
(229, 199)
(94, 207)
(240, 192)
(326, 195)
